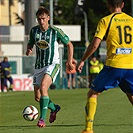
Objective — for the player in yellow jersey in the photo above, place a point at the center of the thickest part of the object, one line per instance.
(118, 70)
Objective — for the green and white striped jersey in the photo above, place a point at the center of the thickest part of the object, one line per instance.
(47, 44)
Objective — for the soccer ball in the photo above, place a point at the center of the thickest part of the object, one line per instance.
(30, 113)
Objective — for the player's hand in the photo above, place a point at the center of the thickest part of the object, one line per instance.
(80, 66)
(70, 67)
(28, 52)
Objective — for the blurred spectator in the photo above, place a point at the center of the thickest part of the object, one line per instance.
(64, 80)
(5, 70)
(94, 68)
(101, 64)
(71, 75)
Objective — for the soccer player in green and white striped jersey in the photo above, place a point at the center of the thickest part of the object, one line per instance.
(46, 39)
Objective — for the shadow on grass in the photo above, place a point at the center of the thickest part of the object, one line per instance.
(34, 126)
(114, 125)
(65, 125)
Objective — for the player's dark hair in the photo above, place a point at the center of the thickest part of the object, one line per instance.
(115, 3)
(41, 10)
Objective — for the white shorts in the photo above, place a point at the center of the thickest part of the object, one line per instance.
(51, 70)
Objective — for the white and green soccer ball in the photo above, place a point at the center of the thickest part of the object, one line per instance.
(30, 113)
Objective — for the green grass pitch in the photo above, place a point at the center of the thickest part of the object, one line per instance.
(114, 112)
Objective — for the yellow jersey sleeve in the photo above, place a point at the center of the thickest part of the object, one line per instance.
(101, 29)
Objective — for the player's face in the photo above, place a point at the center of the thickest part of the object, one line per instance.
(43, 20)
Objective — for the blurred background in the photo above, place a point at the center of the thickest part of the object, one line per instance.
(77, 18)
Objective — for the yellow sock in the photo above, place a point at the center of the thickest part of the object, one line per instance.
(11, 86)
(90, 112)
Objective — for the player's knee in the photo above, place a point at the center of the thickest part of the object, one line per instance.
(92, 93)
(37, 99)
(131, 100)
(130, 97)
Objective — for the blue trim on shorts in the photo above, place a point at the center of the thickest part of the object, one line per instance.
(110, 77)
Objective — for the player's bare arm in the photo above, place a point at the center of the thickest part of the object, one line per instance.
(70, 56)
(29, 51)
(90, 50)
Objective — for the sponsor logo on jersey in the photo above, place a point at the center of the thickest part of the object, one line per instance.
(123, 50)
(42, 44)
(47, 37)
(121, 20)
(37, 35)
